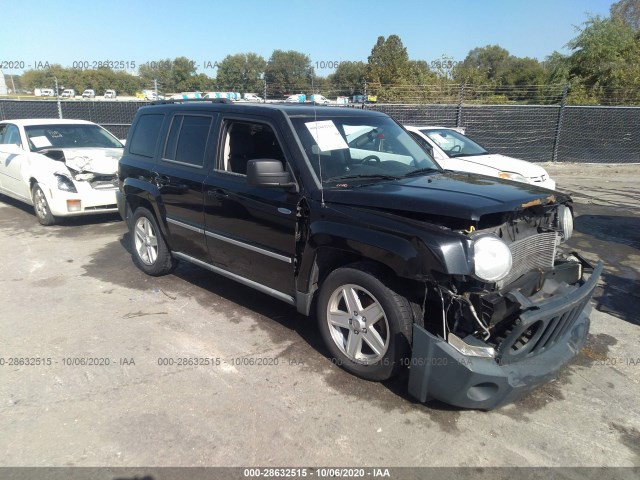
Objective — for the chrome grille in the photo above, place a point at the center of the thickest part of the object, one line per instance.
(531, 253)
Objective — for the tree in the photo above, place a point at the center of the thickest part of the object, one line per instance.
(349, 78)
(241, 72)
(628, 11)
(287, 72)
(606, 58)
(388, 68)
(171, 75)
(484, 65)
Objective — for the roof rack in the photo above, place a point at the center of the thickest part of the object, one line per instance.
(185, 100)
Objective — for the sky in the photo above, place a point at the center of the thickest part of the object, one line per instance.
(33, 33)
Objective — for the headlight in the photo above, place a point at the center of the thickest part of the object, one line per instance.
(565, 222)
(65, 184)
(492, 258)
(516, 177)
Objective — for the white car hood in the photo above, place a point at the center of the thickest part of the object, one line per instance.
(102, 161)
(505, 164)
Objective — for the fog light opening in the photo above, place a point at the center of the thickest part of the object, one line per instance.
(74, 206)
(482, 391)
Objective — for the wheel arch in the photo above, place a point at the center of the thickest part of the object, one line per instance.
(138, 193)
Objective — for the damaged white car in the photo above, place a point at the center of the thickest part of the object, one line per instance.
(63, 168)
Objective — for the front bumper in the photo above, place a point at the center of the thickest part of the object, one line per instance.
(121, 202)
(91, 201)
(439, 371)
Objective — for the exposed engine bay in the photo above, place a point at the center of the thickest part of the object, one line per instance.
(477, 317)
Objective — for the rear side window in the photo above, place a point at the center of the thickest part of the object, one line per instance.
(145, 136)
(187, 139)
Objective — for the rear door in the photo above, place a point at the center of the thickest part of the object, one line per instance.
(250, 230)
(186, 155)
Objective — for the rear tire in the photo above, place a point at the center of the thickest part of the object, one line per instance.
(365, 324)
(41, 207)
(150, 251)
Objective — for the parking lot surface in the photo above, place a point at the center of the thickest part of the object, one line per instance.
(117, 384)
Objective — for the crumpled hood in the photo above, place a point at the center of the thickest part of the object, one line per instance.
(503, 163)
(102, 161)
(452, 194)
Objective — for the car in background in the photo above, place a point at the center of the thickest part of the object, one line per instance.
(63, 168)
(320, 99)
(455, 151)
(297, 98)
(252, 97)
(110, 94)
(89, 93)
(68, 93)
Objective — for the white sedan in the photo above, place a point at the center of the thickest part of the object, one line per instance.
(63, 168)
(454, 151)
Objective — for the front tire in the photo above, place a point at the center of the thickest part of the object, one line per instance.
(366, 325)
(150, 251)
(41, 207)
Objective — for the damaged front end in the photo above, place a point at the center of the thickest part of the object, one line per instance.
(99, 168)
(508, 327)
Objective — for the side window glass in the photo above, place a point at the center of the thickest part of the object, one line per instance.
(187, 139)
(246, 141)
(145, 136)
(10, 135)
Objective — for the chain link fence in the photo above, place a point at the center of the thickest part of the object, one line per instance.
(538, 133)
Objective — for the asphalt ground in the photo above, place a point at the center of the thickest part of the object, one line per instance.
(270, 395)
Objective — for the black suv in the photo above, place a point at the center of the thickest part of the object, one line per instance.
(339, 211)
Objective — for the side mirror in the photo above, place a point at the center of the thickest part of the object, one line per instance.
(265, 172)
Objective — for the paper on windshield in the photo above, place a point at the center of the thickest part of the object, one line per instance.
(326, 135)
(40, 142)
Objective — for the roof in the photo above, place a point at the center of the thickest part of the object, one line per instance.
(27, 122)
(289, 109)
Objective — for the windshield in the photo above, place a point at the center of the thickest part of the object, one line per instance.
(454, 144)
(69, 136)
(360, 147)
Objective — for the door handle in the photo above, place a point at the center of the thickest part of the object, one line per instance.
(161, 180)
(218, 193)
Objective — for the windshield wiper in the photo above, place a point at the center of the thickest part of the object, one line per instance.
(422, 171)
(363, 175)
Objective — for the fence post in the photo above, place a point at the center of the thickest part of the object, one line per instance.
(459, 109)
(265, 91)
(58, 97)
(365, 95)
(556, 141)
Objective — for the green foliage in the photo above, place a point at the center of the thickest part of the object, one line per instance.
(606, 58)
(485, 65)
(241, 72)
(170, 75)
(288, 72)
(628, 11)
(348, 79)
(389, 69)
(100, 80)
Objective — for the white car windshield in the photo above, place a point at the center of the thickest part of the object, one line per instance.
(69, 136)
(360, 147)
(453, 143)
